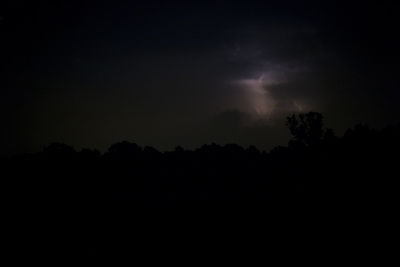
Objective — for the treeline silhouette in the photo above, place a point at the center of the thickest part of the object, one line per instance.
(315, 162)
(316, 174)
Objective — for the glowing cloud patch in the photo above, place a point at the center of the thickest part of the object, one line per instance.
(257, 96)
(257, 100)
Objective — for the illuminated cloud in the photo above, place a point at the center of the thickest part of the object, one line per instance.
(273, 64)
(259, 99)
(256, 98)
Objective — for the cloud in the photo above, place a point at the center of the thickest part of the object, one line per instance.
(275, 64)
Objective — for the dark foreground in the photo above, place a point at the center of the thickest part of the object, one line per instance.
(328, 196)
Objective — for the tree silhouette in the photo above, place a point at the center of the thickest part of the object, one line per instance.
(58, 151)
(307, 129)
(124, 150)
(89, 154)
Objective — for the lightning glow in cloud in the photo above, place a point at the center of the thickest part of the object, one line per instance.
(257, 96)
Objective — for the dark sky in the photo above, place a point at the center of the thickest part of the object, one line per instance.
(167, 73)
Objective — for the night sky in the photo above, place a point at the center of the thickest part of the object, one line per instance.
(167, 73)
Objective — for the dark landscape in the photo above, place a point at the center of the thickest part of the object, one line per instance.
(220, 132)
(102, 200)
